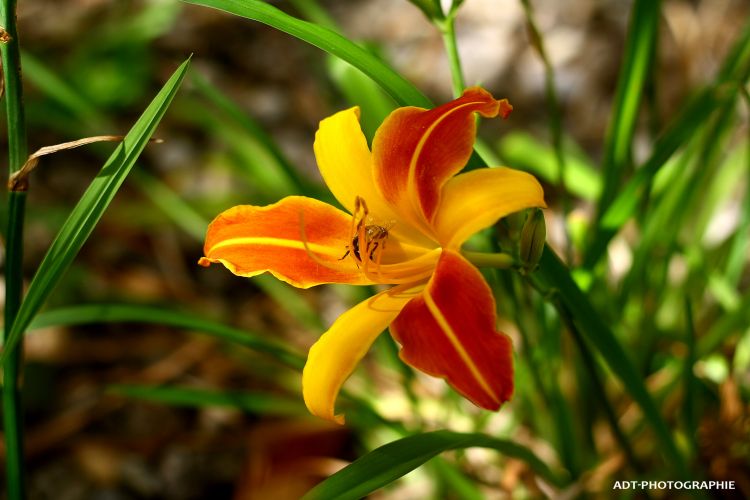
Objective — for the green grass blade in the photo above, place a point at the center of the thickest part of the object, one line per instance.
(555, 277)
(397, 86)
(90, 209)
(230, 109)
(133, 313)
(313, 12)
(689, 381)
(265, 404)
(641, 43)
(729, 324)
(682, 129)
(61, 92)
(172, 204)
(521, 150)
(359, 90)
(13, 231)
(393, 460)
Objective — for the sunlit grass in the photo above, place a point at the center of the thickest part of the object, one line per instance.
(631, 338)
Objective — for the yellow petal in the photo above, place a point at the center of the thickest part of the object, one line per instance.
(335, 355)
(345, 162)
(475, 200)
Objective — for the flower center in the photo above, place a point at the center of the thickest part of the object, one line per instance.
(367, 244)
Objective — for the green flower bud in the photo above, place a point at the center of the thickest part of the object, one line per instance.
(533, 235)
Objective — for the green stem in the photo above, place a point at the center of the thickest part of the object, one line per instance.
(17, 153)
(496, 260)
(12, 408)
(589, 364)
(448, 29)
(553, 277)
(555, 115)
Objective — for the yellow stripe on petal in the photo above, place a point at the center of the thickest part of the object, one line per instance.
(415, 151)
(278, 242)
(454, 341)
(299, 240)
(448, 331)
(338, 351)
(475, 200)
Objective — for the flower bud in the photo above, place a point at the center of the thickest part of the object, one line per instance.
(533, 235)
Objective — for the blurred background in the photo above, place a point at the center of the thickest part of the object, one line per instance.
(237, 426)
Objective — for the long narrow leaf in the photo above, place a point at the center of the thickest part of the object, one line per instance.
(393, 460)
(132, 313)
(681, 130)
(641, 42)
(90, 208)
(555, 276)
(397, 86)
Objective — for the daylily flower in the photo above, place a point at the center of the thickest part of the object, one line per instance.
(409, 214)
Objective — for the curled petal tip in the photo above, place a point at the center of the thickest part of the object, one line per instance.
(505, 108)
(204, 261)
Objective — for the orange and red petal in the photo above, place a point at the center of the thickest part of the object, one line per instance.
(333, 358)
(416, 150)
(345, 162)
(475, 200)
(448, 331)
(250, 240)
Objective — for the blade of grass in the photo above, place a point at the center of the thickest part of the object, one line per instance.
(639, 50)
(521, 150)
(553, 278)
(683, 127)
(313, 12)
(393, 83)
(739, 249)
(169, 202)
(733, 323)
(393, 460)
(675, 208)
(172, 204)
(90, 209)
(356, 87)
(690, 382)
(60, 91)
(454, 483)
(264, 404)
(13, 369)
(230, 109)
(555, 120)
(17, 152)
(133, 313)
(360, 90)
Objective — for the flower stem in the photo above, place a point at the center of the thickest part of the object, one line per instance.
(447, 28)
(17, 153)
(555, 115)
(496, 260)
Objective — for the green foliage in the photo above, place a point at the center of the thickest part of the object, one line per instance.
(633, 361)
(391, 461)
(393, 83)
(90, 209)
